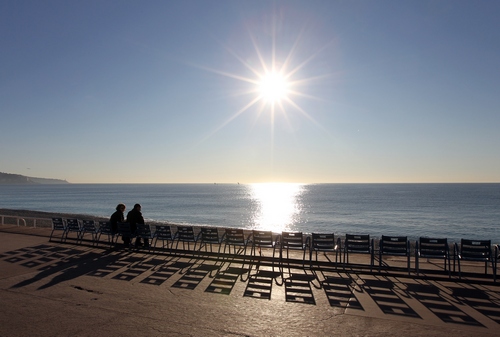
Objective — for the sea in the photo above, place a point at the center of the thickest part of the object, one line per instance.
(453, 211)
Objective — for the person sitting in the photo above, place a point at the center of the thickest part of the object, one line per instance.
(117, 217)
(134, 217)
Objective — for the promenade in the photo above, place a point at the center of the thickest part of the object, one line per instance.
(55, 289)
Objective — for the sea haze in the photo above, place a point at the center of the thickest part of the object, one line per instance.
(454, 211)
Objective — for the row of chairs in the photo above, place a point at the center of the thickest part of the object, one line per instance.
(207, 237)
(427, 248)
(80, 228)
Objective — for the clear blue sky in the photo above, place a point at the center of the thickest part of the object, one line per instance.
(155, 91)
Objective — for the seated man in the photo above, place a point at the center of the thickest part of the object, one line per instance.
(134, 217)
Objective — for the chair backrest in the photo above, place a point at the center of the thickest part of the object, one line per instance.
(209, 235)
(123, 228)
(72, 225)
(355, 243)
(163, 232)
(394, 245)
(322, 241)
(88, 226)
(476, 250)
(185, 233)
(292, 240)
(143, 231)
(262, 238)
(234, 236)
(58, 224)
(104, 227)
(433, 247)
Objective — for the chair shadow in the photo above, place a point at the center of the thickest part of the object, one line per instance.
(480, 300)
(225, 280)
(431, 297)
(298, 288)
(339, 292)
(194, 275)
(383, 293)
(260, 284)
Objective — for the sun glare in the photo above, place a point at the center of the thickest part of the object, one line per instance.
(276, 81)
(278, 205)
(273, 87)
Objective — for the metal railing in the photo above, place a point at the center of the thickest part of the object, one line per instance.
(24, 221)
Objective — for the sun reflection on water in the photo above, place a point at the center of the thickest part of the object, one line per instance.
(278, 205)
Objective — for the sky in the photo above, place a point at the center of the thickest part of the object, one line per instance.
(183, 91)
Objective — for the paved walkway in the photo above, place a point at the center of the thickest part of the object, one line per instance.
(54, 289)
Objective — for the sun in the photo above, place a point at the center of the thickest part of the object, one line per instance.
(273, 87)
(277, 79)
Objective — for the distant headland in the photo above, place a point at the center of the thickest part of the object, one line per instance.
(17, 179)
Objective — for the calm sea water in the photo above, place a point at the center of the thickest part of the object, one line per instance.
(441, 210)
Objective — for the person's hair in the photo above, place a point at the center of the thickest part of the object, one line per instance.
(120, 206)
(137, 205)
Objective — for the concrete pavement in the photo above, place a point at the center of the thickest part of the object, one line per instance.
(56, 289)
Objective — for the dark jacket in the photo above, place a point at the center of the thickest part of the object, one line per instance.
(116, 217)
(135, 217)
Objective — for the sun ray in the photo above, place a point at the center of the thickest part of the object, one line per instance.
(309, 59)
(291, 102)
(273, 51)
(259, 54)
(295, 45)
(309, 79)
(287, 119)
(246, 64)
(246, 107)
(301, 94)
(226, 74)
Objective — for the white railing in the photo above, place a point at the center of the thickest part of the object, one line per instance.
(21, 221)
